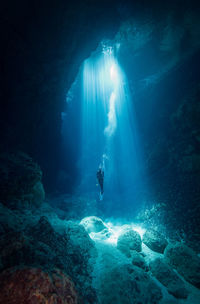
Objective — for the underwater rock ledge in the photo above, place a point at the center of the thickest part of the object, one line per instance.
(33, 285)
(20, 181)
(100, 272)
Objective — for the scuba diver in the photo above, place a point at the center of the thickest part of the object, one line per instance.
(100, 177)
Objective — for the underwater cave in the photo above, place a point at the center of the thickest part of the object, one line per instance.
(100, 152)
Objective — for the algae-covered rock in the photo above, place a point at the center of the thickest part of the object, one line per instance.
(185, 261)
(93, 224)
(20, 181)
(168, 277)
(154, 240)
(32, 285)
(128, 241)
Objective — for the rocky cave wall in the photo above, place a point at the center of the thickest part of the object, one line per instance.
(43, 43)
(160, 55)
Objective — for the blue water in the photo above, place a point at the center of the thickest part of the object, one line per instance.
(101, 110)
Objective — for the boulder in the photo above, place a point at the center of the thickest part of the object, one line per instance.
(10, 221)
(185, 261)
(169, 278)
(82, 253)
(43, 232)
(128, 241)
(37, 193)
(154, 240)
(138, 260)
(20, 181)
(93, 224)
(75, 252)
(39, 245)
(18, 249)
(128, 285)
(32, 285)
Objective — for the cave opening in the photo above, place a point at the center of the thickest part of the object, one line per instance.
(101, 125)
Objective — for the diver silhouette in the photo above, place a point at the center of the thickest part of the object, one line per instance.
(100, 177)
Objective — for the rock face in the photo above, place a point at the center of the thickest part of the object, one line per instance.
(8, 219)
(154, 240)
(185, 261)
(20, 181)
(40, 245)
(128, 285)
(32, 285)
(138, 260)
(93, 224)
(128, 241)
(168, 277)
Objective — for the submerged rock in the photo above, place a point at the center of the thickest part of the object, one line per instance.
(32, 285)
(10, 221)
(20, 181)
(38, 193)
(128, 285)
(44, 232)
(185, 261)
(138, 260)
(93, 224)
(71, 250)
(82, 253)
(16, 249)
(128, 241)
(168, 277)
(154, 240)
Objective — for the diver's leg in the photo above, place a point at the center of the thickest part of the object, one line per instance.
(100, 196)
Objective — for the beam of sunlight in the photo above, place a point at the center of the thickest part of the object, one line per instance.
(115, 231)
(109, 135)
(112, 121)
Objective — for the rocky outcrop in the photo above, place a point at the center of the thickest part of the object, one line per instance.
(128, 241)
(39, 245)
(32, 285)
(168, 277)
(9, 220)
(73, 249)
(185, 261)
(154, 240)
(128, 285)
(20, 181)
(138, 260)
